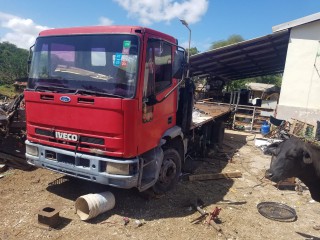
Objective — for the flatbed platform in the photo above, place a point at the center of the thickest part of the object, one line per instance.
(207, 111)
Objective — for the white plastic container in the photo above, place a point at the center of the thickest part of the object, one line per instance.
(91, 205)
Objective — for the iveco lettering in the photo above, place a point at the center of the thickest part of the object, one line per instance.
(67, 136)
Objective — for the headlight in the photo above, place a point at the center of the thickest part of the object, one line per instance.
(117, 168)
(32, 150)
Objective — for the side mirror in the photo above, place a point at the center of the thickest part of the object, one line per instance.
(28, 67)
(151, 100)
(178, 64)
(29, 58)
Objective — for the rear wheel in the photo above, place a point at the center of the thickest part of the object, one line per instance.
(169, 172)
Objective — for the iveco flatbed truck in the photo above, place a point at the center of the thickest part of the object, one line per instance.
(111, 104)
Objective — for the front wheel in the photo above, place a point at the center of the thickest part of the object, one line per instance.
(169, 172)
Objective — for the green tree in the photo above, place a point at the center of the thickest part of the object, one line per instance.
(235, 38)
(13, 63)
(269, 79)
(193, 51)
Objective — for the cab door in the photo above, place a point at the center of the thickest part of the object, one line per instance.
(157, 118)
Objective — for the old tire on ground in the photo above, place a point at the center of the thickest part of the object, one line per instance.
(169, 172)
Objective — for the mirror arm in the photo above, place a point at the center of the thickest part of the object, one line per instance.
(152, 101)
(171, 91)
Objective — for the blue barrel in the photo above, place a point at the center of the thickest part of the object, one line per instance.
(265, 128)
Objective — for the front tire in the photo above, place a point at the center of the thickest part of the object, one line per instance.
(169, 172)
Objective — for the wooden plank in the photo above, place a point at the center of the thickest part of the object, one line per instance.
(215, 176)
(302, 129)
(243, 115)
(214, 111)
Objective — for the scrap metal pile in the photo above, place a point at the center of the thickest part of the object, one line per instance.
(13, 133)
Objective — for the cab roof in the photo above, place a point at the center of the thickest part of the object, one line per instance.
(105, 30)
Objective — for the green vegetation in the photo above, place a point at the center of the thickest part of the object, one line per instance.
(193, 51)
(270, 79)
(13, 63)
(235, 38)
(7, 90)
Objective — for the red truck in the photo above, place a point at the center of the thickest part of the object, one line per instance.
(110, 104)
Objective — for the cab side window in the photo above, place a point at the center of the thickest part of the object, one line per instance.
(158, 67)
(148, 88)
(163, 66)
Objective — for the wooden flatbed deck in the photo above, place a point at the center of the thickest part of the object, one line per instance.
(208, 111)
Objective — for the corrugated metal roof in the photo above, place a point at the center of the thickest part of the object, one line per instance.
(256, 57)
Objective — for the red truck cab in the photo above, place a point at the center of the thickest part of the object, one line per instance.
(89, 106)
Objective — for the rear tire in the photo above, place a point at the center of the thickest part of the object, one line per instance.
(169, 172)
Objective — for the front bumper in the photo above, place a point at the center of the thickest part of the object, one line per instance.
(84, 166)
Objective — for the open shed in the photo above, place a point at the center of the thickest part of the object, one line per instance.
(292, 49)
(256, 57)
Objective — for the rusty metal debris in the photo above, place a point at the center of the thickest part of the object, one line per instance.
(7, 113)
(213, 217)
(277, 211)
(13, 133)
(126, 221)
(197, 204)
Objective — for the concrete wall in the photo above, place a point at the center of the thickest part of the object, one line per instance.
(300, 90)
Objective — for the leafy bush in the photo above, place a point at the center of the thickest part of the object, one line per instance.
(13, 63)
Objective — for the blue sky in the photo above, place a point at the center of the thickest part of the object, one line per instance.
(210, 20)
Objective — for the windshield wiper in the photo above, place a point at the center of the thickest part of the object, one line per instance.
(42, 88)
(96, 93)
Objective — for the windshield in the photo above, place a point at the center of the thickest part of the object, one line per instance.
(96, 63)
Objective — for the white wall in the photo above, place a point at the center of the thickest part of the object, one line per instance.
(300, 90)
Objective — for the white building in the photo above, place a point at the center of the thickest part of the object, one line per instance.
(300, 90)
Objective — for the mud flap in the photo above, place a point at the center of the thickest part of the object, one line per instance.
(150, 164)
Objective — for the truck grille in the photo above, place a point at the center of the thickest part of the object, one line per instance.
(59, 157)
(83, 139)
(44, 132)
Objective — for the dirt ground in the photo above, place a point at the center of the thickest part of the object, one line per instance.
(23, 193)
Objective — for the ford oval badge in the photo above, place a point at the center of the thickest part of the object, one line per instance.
(65, 99)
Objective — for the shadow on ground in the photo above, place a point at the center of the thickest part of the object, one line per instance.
(176, 203)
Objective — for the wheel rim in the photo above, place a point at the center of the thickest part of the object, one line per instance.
(168, 171)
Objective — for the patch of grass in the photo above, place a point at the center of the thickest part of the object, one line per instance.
(8, 90)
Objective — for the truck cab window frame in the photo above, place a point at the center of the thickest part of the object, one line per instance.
(158, 67)
(98, 63)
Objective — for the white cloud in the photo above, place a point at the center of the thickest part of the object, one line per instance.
(149, 12)
(105, 21)
(20, 31)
